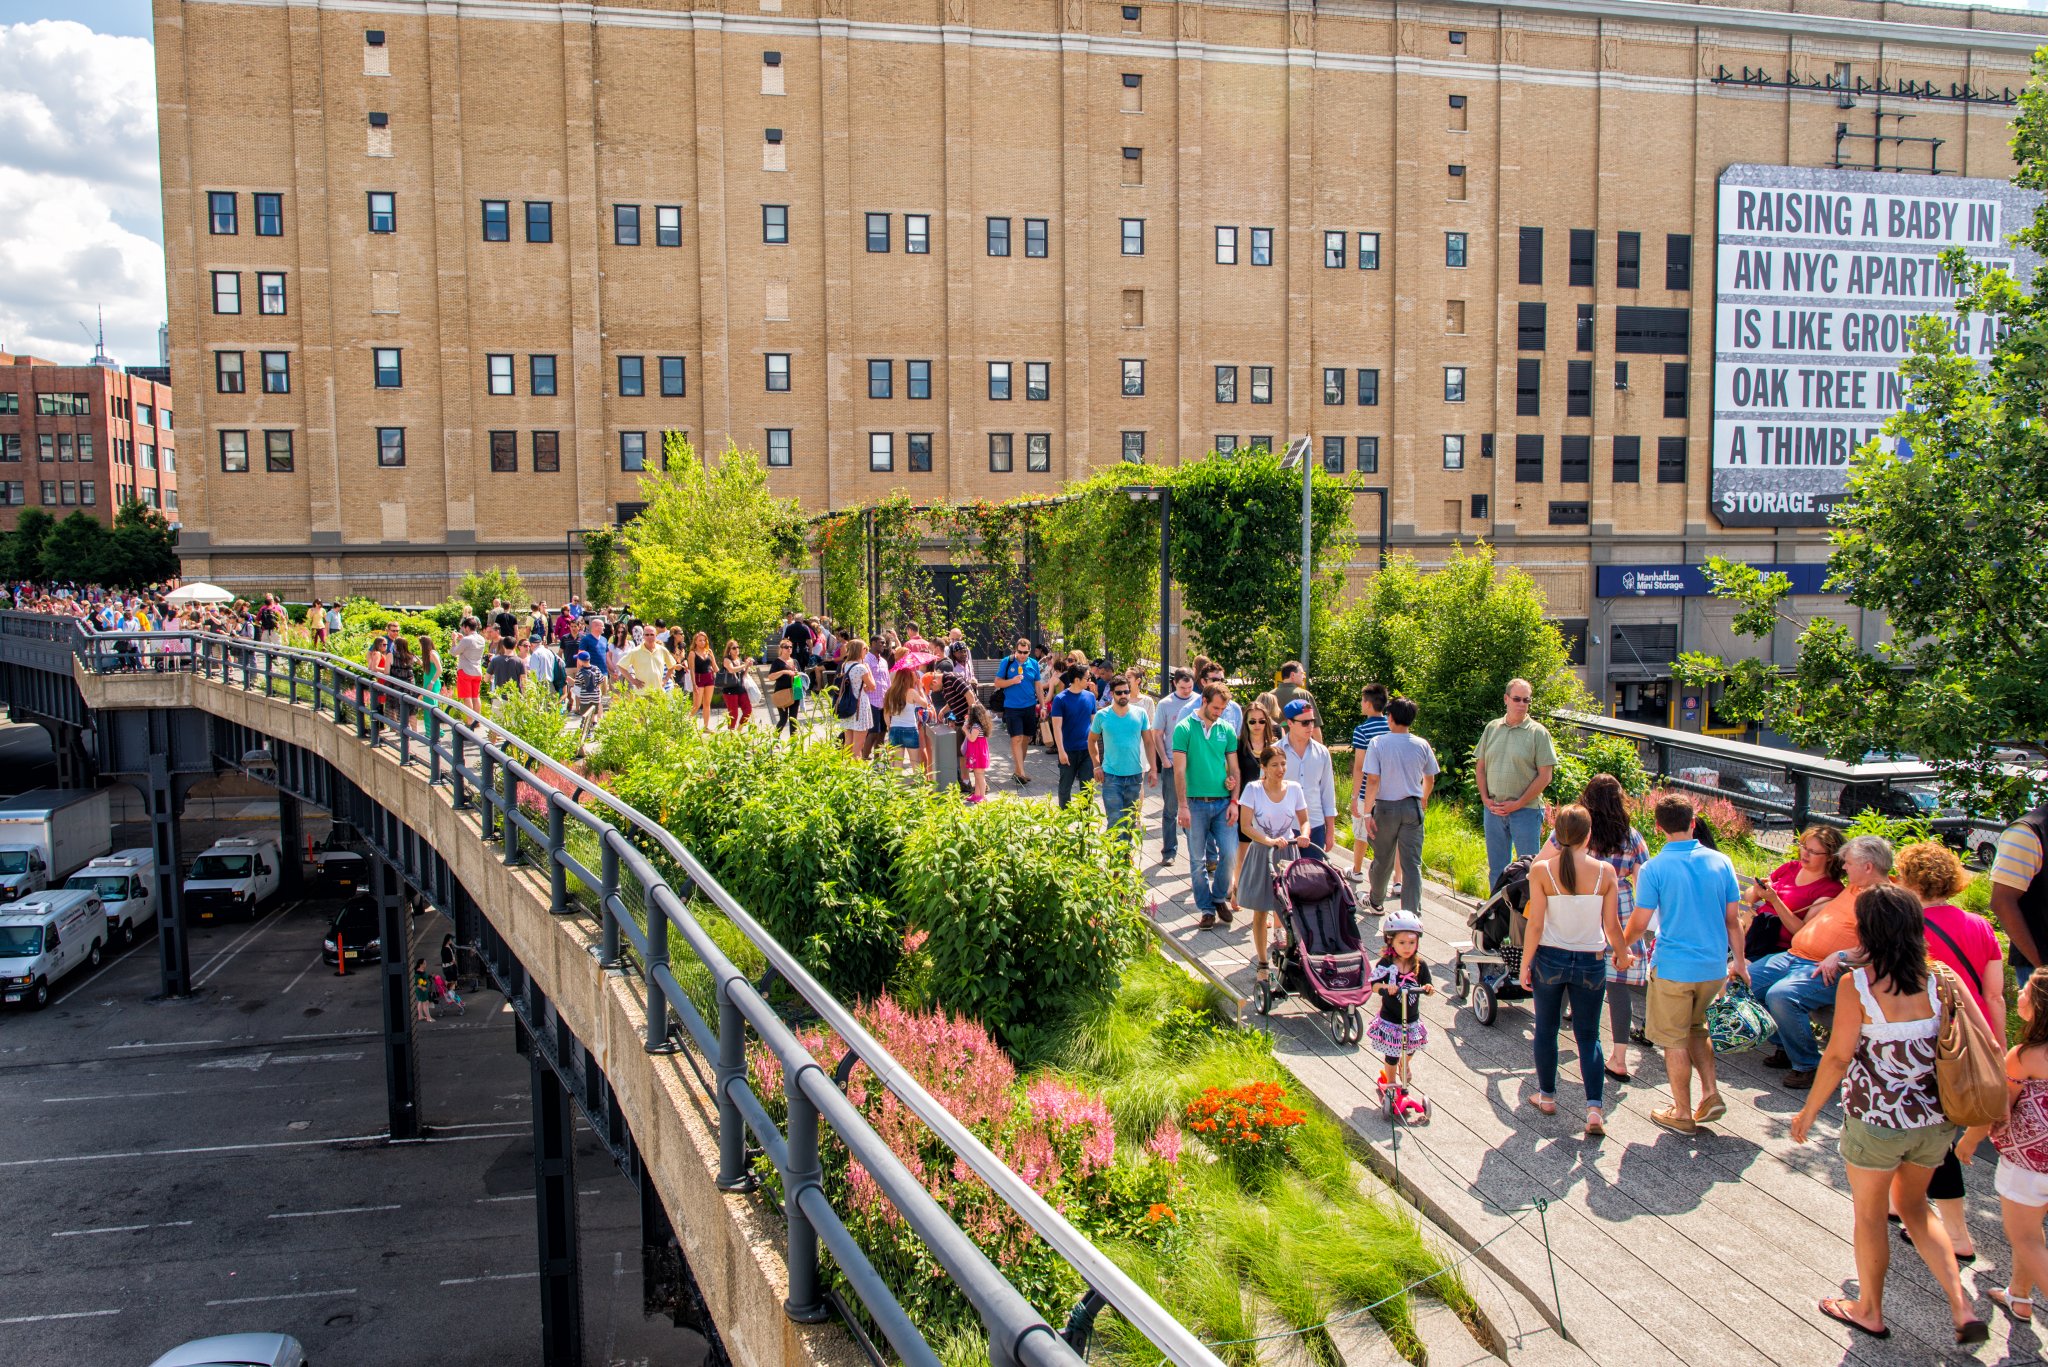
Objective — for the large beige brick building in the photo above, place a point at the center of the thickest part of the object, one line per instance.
(441, 274)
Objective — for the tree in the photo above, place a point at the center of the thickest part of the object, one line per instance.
(1945, 530)
(75, 549)
(480, 589)
(601, 567)
(23, 547)
(707, 550)
(141, 550)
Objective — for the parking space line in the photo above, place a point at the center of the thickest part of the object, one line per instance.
(332, 1034)
(201, 1149)
(182, 1091)
(302, 973)
(267, 924)
(339, 1210)
(288, 1296)
(117, 1229)
(166, 1044)
(106, 967)
(472, 1281)
(67, 1315)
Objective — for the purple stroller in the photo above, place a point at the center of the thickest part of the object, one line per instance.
(1320, 956)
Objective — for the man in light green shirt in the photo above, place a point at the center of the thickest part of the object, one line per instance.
(1515, 760)
(1205, 779)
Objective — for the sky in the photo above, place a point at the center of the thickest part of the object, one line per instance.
(81, 208)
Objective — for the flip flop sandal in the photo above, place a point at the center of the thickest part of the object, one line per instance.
(1962, 1259)
(2002, 1297)
(1832, 1309)
(1543, 1104)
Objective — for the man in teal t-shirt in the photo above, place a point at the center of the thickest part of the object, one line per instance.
(1116, 742)
(1204, 771)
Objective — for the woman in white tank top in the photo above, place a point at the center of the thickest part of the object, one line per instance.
(1572, 926)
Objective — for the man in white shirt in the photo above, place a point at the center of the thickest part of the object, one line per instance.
(470, 650)
(1308, 763)
(540, 662)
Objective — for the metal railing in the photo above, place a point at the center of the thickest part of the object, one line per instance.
(484, 766)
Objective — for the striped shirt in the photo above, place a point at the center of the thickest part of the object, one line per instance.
(1363, 734)
(2019, 858)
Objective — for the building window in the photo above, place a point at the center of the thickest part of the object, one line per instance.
(917, 379)
(1675, 378)
(1134, 378)
(1531, 243)
(632, 377)
(881, 379)
(1532, 327)
(1262, 384)
(504, 453)
(1134, 166)
(1569, 514)
(999, 379)
(1574, 460)
(1225, 444)
(1038, 451)
(1529, 458)
(672, 386)
(88, 492)
(540, 221)
(775, 223)
(227, 292)
(269, 215)
(387, 363)
(63, 405)
(917, 234)
(917, 452)
(1368, 388)
(1368, 251)
(999, 237)
(625, 225)
(1001, 453)
(1037, 242)
(547, 453)
(383, 211)
(1262, 246)
(1628, 460)
(1671, 460)
(1454, 451)
(1134, 239)
(227, 372)
(234, 453)
(878, 232)
(1454, 384)
(1333, 455)
(390, 446)
(540, 376)
(1581, 269)
(881, 451)
(1678, 261)
(1226, 384)
(1333, 251)
(1578, 389)
(1584, 329)
(778, 372)
(1628, 260)
(1333, 386)
(50, 490)
(497, 374)
(1037, 381)
(632, 451)
(1528, 389)
(778, 448)
(1454, 249)
(1134, 448)
(277, 372)
(497, 220)
(277, 452)
(1652, 332)
(1368, 462)
(220, 215)
(10, 402)
(1621, 374)
(668, 225)
(70, 492)
(1226, 246)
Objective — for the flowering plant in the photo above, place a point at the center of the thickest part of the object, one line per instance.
(1249, 1124)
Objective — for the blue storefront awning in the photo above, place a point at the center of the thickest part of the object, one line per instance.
(1690, 581)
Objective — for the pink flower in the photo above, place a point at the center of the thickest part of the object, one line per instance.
(1165, 1142)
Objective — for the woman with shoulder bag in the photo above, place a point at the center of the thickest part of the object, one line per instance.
(732, 686)
(782, 687)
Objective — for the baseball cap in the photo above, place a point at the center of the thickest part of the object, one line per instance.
(1298, 707)
(583, 657)
(957, 648)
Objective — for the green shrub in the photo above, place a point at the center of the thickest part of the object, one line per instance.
(535, 716)
(1581, 755)
(479, 589)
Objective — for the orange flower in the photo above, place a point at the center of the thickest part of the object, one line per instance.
(1158, 1211)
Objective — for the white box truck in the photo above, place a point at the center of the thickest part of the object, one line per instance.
(45, 935)
(47, 833)
(126, 883)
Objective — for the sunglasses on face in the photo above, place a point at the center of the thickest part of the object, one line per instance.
(1521, 698)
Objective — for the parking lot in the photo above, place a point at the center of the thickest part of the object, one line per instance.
(185, 1168)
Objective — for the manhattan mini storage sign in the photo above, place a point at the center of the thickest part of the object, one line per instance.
(1820, 276)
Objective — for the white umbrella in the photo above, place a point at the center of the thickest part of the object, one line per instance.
(188, 594)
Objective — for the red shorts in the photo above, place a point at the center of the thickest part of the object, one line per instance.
(468, 687)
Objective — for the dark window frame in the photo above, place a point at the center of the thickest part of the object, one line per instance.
(1627, 462)
(625, 225)
(996, 235)
(680, 365)
(1528, 458)
(389, 440)
(881, 382)
(1529, 256)
(1574, 459)
(1578, 389)
(540, 219)
(1628, 261)
(501, 229)
(501, 447)
(274, 216)
(551, 463)
(389, 215)
(217, 215)
(632, 377)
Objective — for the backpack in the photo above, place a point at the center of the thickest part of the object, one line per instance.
(1969, 1067)
(847, 704)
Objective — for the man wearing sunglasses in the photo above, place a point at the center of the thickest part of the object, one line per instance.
(1116, 742)
(1515, 760)
(1308, 763)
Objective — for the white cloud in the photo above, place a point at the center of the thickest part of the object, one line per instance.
(81, 209)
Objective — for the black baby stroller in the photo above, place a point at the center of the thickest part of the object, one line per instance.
(1319, 955)
(1488, 968)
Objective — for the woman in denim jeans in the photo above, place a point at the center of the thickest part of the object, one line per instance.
(1572, 924)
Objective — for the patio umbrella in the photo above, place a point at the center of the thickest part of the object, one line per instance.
(189, 594)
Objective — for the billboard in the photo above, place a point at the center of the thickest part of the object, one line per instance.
(1819, 276)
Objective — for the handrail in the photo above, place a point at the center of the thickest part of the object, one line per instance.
(1016, 1331)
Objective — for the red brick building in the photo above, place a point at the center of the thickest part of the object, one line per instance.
(83, 436)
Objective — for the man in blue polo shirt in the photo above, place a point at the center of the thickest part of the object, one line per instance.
(1072, 711)
(1020, 702)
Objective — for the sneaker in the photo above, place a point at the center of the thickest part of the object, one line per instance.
(1777, 1059)
(1673, 1119)
(1712, 1108)
(1208, 921)
(1799, 1079)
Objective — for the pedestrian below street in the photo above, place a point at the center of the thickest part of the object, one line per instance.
(1273, 820)
(1203, 747)
(1167, 715)
(1881, 1053)
(2019, 891)
(856, 727)
(1117, 734)
(703, 677)
(1072, 713)
(448, 974)
(1794, 984)
(1572, 926)
(1372, 724)
(1614, 838)
(422, 992)
(1693, 892)
(1293, 687)
(731, 679)
(1400, 771)
(1019, 675)
(1308, 763)
(1515, 759)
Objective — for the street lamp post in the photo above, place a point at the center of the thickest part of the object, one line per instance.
(1297, 454)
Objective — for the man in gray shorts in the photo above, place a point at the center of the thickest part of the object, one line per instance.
(1400, 774)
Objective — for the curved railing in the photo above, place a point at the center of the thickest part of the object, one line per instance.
(484, 765)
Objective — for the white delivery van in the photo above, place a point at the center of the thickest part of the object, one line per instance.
(234, 878)
(126, 884)
(47, 833)
(45, 935)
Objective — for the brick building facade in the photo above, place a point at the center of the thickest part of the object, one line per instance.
(83, 436)
(444, 277)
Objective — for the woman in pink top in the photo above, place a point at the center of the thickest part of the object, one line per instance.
(1965, 942)
(1811, 877)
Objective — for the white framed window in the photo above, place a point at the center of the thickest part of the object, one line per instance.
(1226, 246)
(227, 292)
(1454, 451)
(498, 370)
(917, 234)
(881, 450)
(270, 292)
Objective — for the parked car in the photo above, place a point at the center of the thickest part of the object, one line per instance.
(45, 935)
(235, 878)
(1738, 787)
(355, 931)
(1896, 803)
(337, 865)
(126, 884)
(236, 1350)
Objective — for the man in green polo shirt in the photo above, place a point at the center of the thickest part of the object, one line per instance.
(1205, 779)
(1515, 760)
